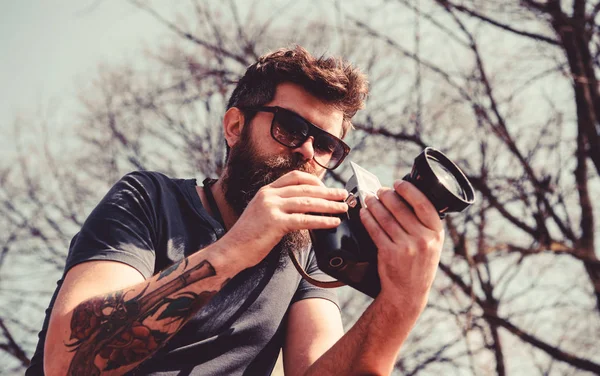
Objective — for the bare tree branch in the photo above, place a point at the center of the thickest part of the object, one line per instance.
(502, 26)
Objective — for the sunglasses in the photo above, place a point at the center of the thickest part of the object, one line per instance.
(292, 130)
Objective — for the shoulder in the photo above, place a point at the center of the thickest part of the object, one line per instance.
(148, 178)
(149, 183)
(138, 193)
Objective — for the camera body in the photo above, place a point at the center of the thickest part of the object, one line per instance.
(348, 254)
(347, 251)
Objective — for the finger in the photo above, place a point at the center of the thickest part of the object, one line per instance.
(296, 178)
(377, 234)
(400, 210)
(336, 194)
(386, 220)
(423, 208)
(300, 221)
(313, 205)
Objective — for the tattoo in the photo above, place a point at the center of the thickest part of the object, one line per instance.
(172, 268)
(109, 332)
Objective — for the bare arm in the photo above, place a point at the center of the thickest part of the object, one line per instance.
(371, 346)
(314, 325)
(409, 245)
(315, 345)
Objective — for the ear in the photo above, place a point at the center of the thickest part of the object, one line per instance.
(233, 123)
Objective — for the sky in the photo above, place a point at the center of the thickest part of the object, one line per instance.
(48, 48)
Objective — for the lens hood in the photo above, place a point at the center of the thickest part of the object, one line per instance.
(444, 184)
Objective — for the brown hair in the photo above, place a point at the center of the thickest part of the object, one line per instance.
(332, 80)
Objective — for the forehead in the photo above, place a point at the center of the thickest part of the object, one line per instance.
(293, 97)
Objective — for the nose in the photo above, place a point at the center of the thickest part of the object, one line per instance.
(306, 149)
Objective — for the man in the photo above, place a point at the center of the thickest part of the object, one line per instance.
(167, 278)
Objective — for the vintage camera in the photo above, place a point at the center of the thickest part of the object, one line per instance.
(347, 252)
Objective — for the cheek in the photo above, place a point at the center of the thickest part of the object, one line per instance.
(260, 141)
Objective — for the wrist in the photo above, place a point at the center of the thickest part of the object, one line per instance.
(236, 253)
(403, 307)
(227, 257)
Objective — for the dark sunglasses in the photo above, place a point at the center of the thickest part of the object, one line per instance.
(292, 130)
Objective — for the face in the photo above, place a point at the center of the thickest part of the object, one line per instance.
(294, 98)
(256, 159)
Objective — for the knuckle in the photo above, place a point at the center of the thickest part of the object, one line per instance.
(305, 190)
(411, 252)
(421, 206)
(340, 206)
(272, 212)
(400, 185)
(297, 174)
(372, 202)
(261, 193)
(403, 248)
(421, 243)
(440, 235)
(304, 221)
(406, 249)
(366, 220)
(265, 199)
(386, 194)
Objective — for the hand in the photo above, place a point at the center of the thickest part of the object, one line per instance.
(282, 207)
(409, 235)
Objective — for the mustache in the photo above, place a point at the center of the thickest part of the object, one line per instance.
(275, 167)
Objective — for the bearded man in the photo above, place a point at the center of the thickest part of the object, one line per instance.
(170, 278)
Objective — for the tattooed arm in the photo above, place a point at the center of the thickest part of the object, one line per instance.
(112, 332)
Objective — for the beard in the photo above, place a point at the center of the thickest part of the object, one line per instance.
(247, 171)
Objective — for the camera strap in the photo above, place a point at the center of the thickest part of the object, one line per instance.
(211, 200)
(309, 279)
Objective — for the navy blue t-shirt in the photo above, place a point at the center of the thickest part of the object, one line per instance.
(149, 221)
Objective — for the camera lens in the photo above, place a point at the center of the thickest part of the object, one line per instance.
(444, 184)
(447, 178)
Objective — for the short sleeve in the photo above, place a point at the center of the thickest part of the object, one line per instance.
(122, 227)
(306, 290)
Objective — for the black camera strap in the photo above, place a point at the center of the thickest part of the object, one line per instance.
(211, 200)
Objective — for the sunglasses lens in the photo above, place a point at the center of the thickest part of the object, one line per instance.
(290, 130)
(328, 150)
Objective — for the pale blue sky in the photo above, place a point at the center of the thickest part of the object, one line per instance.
(49, 47)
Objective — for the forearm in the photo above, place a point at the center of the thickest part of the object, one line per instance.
(371, 346)
(113, 333)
